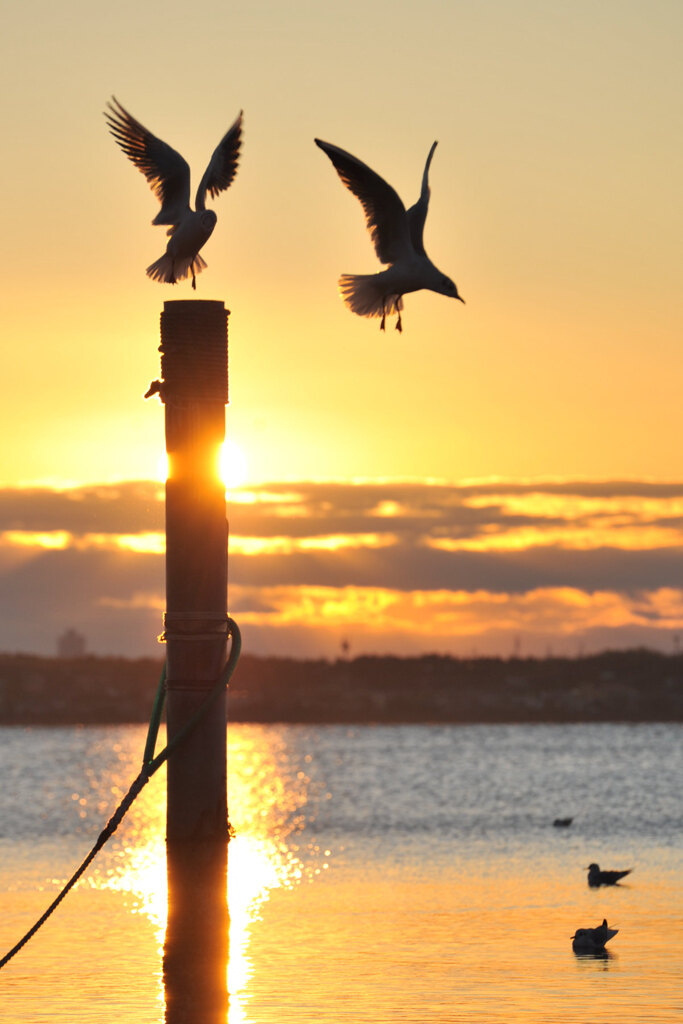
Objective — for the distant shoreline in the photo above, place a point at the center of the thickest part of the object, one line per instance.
(616, 686)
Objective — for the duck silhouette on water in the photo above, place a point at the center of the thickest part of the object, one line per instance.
(597, 877)
(593, 940)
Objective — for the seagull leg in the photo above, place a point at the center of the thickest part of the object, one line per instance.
(171, 279)
(194, 280)
(383, 321)
(399, 324)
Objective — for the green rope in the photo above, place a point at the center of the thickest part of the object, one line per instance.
(155, 720)
(150, 764)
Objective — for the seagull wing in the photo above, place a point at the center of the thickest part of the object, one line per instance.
(612, 877)
(165, 169)
(604, 933)
(222, 168)
(385, 214)
(417, 214)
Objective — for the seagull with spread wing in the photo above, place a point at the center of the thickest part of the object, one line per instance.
(169, 175)
(596, 877)
(397, 236)
(593, 940)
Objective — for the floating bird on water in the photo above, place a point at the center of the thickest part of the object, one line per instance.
(397, 236)
(169, 175)
(562, 822)
(597, 877)
(588, 940)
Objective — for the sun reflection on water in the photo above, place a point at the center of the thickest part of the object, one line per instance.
(254, 869)
(266, 798)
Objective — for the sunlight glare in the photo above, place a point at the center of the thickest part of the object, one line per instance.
(267, 800)
(232, 464)
(162, 468)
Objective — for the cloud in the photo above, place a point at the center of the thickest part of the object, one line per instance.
(315, 621)
(131, 507)
(93, 590)
(320, 509)
(421, 565)
(416, 567)
(580, 488)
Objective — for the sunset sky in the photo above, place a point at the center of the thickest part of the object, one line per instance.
(504, 475)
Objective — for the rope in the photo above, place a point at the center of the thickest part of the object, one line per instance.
(150, 764)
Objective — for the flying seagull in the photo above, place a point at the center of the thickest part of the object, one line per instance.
(397, 236)
(169, 175)
(592, 940)
(597, 877)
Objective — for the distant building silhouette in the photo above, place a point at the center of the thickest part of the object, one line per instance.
(71, 644)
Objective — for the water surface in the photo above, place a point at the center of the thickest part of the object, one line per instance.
(392, 873)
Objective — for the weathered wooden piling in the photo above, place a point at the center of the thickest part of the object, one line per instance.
(194, 389)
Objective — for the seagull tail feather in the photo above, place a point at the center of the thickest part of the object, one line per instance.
(168, 271)
(365, 295)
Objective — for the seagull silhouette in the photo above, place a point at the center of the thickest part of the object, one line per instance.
(169, 175)
(593, 939)
(397, 236)
(597, 877)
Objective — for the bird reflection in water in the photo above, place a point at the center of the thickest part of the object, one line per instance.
(600, 958)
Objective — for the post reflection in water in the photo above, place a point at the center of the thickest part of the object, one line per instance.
(196, 943)
(265, 800)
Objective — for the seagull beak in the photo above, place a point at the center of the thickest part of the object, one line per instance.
(460, 298)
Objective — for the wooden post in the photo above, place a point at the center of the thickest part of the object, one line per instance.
(194, 389)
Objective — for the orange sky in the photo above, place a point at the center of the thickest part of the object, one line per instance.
(556, 207)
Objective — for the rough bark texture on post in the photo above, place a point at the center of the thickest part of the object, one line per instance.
(194, 389)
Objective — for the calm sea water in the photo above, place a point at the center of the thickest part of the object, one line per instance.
(399, 873)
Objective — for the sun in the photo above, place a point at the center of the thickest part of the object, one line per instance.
(231, 470)
(232, 464)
